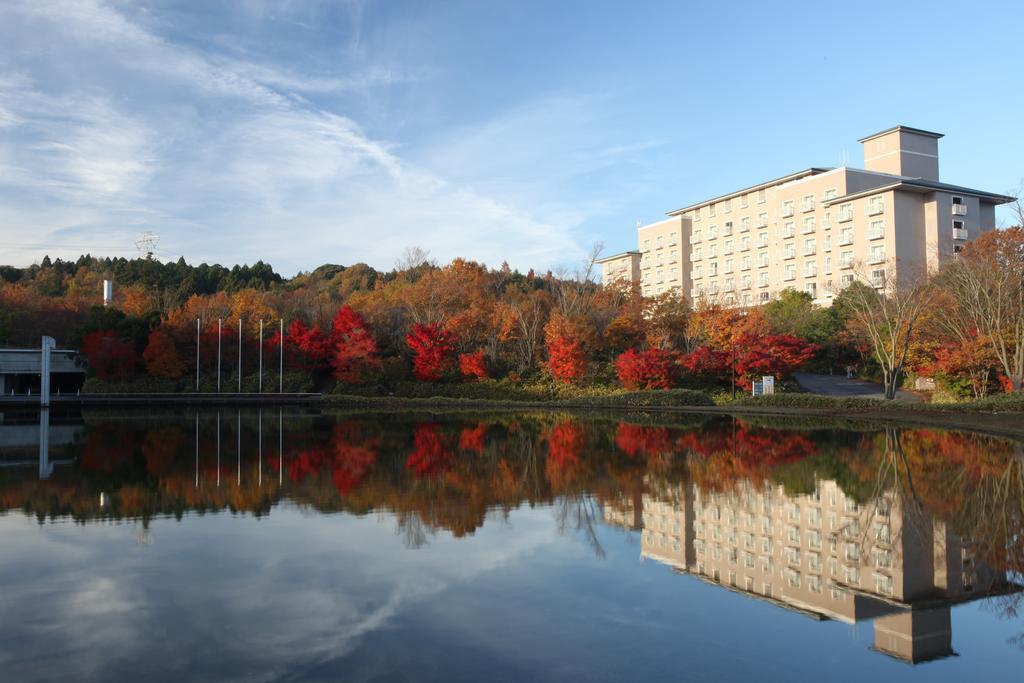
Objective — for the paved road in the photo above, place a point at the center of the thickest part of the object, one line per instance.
(839, 385)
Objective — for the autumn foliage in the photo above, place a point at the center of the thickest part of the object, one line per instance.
(354, 349)
(108, 356)
(650, 369)
(473, 365)
(432, 351)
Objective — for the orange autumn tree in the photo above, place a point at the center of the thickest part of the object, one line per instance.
(567, 359)
(161, 356)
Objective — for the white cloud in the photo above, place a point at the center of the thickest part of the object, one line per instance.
(227, 159)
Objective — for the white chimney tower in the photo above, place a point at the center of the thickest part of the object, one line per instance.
(108, 292)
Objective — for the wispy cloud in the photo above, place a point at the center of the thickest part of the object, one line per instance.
(229, 159)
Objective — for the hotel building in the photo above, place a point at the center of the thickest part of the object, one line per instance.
(814, 230)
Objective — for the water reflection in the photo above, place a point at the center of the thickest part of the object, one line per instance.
(894, 526)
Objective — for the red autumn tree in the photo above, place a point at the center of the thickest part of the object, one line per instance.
(776, 354)
(161, 356)
(307, 348)
(650, 369)
(354, 352)
(565, 443)
(706, 363)
(432, 350)
(969, 362)
(108, 356)
(473, 365)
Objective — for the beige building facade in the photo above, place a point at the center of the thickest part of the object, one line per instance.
(816, 230)
(822, 554)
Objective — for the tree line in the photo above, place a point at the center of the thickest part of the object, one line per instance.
(355, 326)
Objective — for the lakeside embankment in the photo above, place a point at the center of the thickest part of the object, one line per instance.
(1002, 414)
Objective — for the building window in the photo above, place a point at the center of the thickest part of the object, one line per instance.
(807, 204)
(696, 237)
(762, 279)
(647, 245)
(727, 206)
(712, 232)
(808, 224)
(745, 224)
(827, 243)
(810, 268)
(711, 210)
(727, 249)
(727, 229)
(787, 208)
(831, 193)
(762, 220)
(788, 229)
(789, 251)
(743, 201)
(762, 195)
(790, 271)
(744, 244)
(763, 296)
(762, 239)
(812, 289)
(746, 282)
(713, 269)
(809, 247)
(745, 263)
(878, 253)
(845, 212)
(846, 259)
(846, 236)
(876, 205)
(876, 230)
(762, 259)
(828, 265)
(728, 265)
(877, 278)
(712, 250)
(847, 280)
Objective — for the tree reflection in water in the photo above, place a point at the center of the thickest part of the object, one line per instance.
(959, 494)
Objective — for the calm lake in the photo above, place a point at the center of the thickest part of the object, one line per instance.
(298, 545)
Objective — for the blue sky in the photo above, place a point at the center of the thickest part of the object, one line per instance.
(312, 132)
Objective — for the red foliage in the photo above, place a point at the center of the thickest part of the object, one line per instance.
(430, 456)
(566, 359)
(706, 362)
(565, 443)
(637, 440)
(473, 365)
(354, 457)
(354, 349)
(307, 348)
(473, 438)
(432, 349)
(109, 357)
(651, 369)
(779, 355)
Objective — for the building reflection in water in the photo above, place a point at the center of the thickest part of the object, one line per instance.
(822, 555)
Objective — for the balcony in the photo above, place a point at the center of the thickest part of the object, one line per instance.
(809, 252)
(876, 234)
(826, 225)
(845, 241)
(787, 211)
(810, 273)
(959, 209)
(808, 207)
(790, 276)
(874, 209)
(808, 229)
(846, 264)
(876, 259)
(762, 223)
(845, 216)
(959, 233)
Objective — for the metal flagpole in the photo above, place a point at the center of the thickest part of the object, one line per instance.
(280, 450)
(239, 356)
(261, 356)
(197, 355)
(218, 448)
(197, 448)
(219, 334)
(280, 362)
